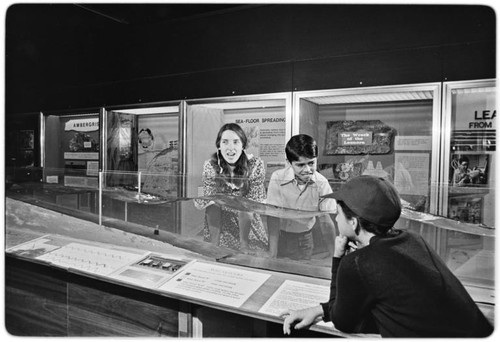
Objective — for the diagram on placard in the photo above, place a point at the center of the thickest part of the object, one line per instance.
(91, 259)
(33, 248)
(152, 270)
(137, 267)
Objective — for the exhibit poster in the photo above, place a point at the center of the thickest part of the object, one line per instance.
(474, 120)
(413, 143)
(411, 173)
(266, 136)
(158, 154)
(80, 148)
(26, 139)
(223, 285)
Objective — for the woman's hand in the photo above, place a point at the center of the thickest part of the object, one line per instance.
(304, 318)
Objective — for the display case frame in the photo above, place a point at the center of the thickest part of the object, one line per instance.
(445, 176)
(380, 94)
(237, 102)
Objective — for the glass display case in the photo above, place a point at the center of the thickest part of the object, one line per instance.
(265, 121)
(470, 145)
(152, 180)
(469, 182)
(70, 157)
(396, 132)
(383, 131)
(142, 145)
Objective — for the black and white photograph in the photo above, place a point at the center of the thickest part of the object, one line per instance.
(244, 169)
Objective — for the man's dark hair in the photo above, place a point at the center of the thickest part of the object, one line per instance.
(301, 145)
(363, 223)
(463, 159)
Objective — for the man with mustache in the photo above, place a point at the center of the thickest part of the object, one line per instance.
(299, 186)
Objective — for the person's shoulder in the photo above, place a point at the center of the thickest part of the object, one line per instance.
(320, 177)
(321, 180)
(254, 160)
(280, 173)
(208, 166)
(207, 163)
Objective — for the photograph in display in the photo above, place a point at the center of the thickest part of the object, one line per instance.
(26, 139)
(152, 270)
(466, 209)
(469, 170)
(158, 154)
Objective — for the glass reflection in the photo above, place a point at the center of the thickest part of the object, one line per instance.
(466, 248)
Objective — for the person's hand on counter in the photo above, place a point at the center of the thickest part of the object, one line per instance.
(303, 318)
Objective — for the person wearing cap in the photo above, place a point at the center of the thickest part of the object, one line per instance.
(299, 186)
(393, 284)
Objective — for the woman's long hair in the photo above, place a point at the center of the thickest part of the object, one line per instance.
(241, 167)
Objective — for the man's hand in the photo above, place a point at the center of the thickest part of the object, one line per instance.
(340, 246)
(304, 317)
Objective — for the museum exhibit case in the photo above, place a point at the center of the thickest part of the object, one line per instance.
(140, 171)
(415, 136)
(469, 182)
(70, 156)
(141, 141)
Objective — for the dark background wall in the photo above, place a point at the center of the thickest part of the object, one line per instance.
(64, 56)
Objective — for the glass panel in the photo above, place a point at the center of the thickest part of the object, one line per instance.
(388, 134)
(468, 251)
(143, 140)
(136, 201)
(72, 150)
(471, 195)
(69, 193)
(263, 119)
(217, 167)
(188, 222)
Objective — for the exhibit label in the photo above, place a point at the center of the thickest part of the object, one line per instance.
(355, 138)
(82, 125)
(224, 285)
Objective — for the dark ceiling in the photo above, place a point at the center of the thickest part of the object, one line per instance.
(53, 46)
(143, 14)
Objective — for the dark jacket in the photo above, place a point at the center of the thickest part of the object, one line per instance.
(400, 285)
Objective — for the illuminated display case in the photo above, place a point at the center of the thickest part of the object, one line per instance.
(469, 182)
(76, 140)
(383, 131)
(416, 136)
(141, 147)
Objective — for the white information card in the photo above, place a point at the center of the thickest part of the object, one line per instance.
(295, 295)
(215, 283)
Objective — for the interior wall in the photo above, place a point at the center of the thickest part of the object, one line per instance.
(259, 49)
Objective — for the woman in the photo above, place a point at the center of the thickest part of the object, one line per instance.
(231, 171)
